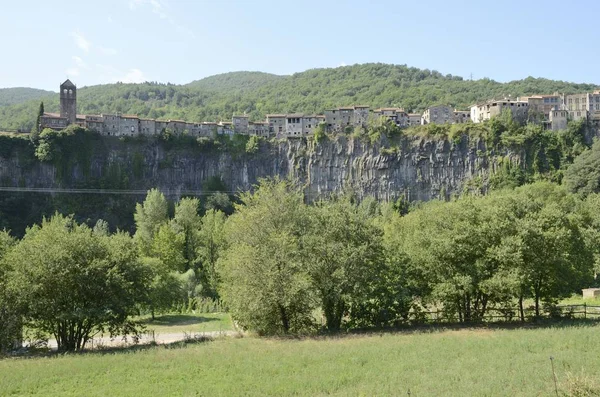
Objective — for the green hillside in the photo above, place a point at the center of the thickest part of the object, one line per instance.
(218, 97)
(238, 81)
(12, 96)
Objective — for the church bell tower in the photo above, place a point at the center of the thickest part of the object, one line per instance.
(68, 101)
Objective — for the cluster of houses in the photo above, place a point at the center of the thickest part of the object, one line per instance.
(553, 111)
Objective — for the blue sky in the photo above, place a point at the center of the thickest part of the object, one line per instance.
(178, 41)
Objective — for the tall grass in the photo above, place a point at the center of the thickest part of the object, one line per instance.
(469, 362)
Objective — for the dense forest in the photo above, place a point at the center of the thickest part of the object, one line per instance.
(256, 94)
(13, 96)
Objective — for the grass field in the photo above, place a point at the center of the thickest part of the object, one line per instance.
(467, 362)
(190, 323)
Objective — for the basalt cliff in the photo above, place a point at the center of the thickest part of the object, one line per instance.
(415, 169)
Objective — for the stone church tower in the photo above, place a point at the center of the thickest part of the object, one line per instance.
(68, 101)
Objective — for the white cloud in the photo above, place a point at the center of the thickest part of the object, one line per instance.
(160, 8)
(81, 41)
(342, 64)
(157, 6)
(78, 61)
(133, 76)
(109, 19)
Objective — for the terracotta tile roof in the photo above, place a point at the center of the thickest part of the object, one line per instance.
(389, 109)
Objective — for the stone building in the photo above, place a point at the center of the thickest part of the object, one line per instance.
(258, 129)
(361, 115)
(148, 127)
(462, 116)
(413, 119)
(396, 115)
(161, 126)
(276, 124)
(225, 128)
(542, 105)
(487, 110)
(240, 124)
(578, 102)
(346, 117)
(94, 122)
(442, 114)
(557, 119)
(68, 101)
(583, 106)
(310, 123)
(111, 124)
(129, 125)
(53, 121)
(68, 109)
(177, 126)
(293, 125)
(208, 129)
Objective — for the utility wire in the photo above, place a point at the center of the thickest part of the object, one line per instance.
(51, 190)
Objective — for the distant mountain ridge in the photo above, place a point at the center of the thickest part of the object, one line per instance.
(16, 95)
(256, 94)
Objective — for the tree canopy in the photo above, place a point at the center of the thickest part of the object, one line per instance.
(73, 283)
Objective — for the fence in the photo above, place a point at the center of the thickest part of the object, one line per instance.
(19, 131)
(582, 311)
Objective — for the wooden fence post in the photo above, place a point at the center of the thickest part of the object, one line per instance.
(584, 310)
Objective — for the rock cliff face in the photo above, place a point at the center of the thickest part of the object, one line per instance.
(417, 169)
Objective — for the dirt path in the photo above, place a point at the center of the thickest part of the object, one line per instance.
(149, 337)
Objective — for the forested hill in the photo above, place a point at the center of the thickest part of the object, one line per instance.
(218, 97)
(12, 96)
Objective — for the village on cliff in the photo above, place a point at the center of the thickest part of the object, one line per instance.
(553, 111)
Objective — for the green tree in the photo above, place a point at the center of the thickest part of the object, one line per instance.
(187, 222)
(75, 283)
(211, 239)
(344, 257)
(165, 288)
(552, 256)
(149, 217)
(264, 279)
(169, 247)
(583, 176)
(10, 315)
(35, 131)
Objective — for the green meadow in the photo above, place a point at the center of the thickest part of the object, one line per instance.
(190, 323)
(434, 362)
